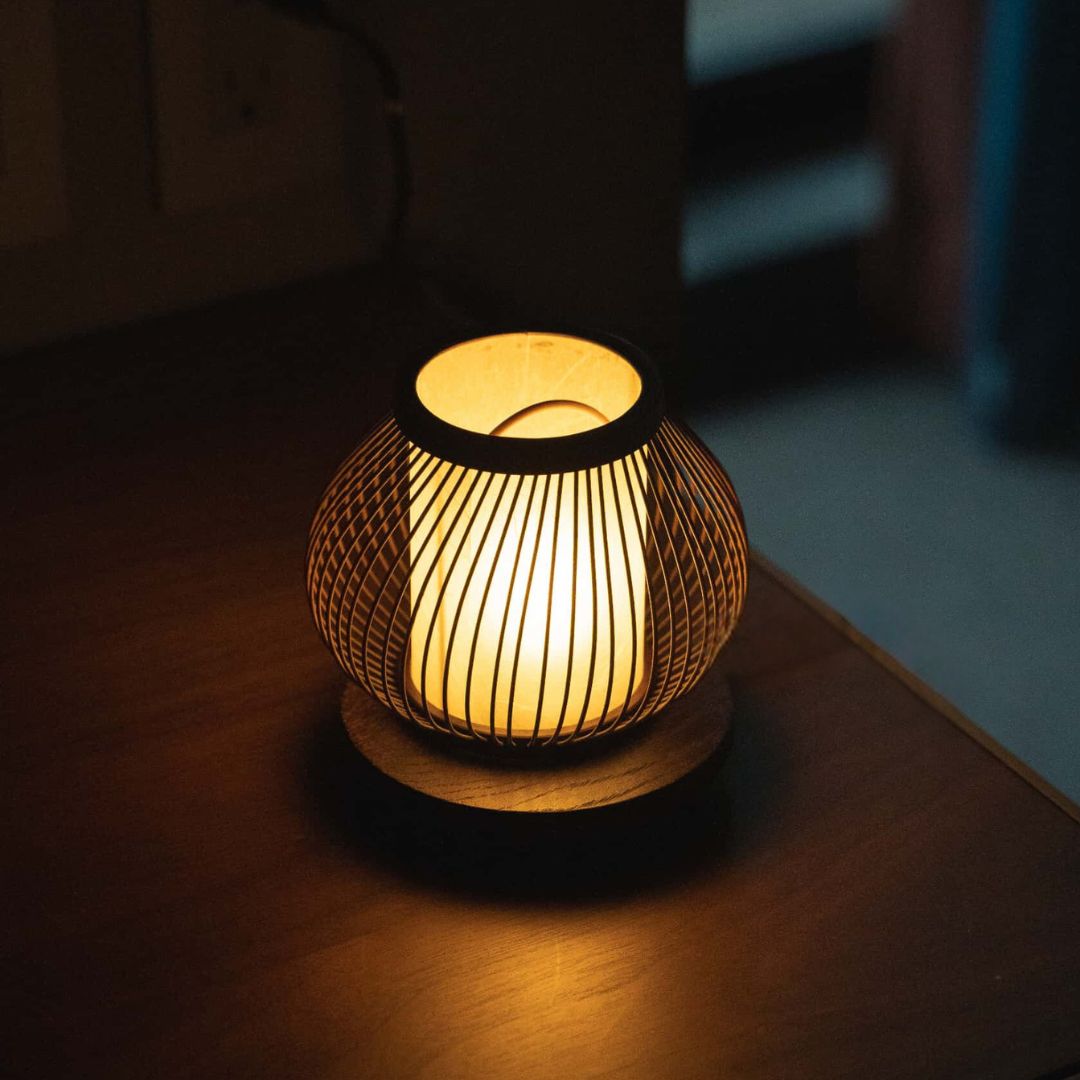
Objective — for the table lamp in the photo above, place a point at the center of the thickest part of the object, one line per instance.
(525, 570)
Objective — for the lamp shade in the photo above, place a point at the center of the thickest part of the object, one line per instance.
(527, 551)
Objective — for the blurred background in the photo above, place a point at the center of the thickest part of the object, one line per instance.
(847, 229)
(881, 242)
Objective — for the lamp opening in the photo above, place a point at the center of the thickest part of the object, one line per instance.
(528, 385)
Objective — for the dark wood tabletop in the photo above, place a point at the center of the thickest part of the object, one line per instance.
(202, 879)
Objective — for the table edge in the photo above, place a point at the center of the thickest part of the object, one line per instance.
(932, 698)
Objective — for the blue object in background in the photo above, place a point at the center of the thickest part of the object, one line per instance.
(1023, 339)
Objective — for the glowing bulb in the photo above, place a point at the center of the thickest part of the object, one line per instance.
(529, 591)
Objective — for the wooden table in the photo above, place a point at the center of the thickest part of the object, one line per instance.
(201, 881)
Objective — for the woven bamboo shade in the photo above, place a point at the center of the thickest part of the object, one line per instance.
(528, 552)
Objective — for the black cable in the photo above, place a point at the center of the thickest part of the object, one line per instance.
(336, 17)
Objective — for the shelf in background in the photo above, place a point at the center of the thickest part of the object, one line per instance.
(789, 210)
(730, 38)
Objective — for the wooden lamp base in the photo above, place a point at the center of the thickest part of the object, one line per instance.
(688, 735)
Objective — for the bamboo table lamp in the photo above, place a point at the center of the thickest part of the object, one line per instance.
(524, 571)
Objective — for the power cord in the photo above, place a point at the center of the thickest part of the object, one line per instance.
(342, 18)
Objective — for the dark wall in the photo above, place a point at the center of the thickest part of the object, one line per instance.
(121, 254)
(547, 141)
(549, 138)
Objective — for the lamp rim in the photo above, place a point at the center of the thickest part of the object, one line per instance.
(524, 456)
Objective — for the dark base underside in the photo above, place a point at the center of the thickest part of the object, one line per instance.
(689, 735)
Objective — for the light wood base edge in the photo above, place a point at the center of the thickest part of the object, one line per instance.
(689, 735)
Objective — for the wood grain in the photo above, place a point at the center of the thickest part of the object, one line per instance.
(202, 880)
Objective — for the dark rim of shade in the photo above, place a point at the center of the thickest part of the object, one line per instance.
(511, 454)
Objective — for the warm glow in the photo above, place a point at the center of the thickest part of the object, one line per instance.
(528, 592)
(472, 592)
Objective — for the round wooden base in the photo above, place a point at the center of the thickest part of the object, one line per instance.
(688, 735)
